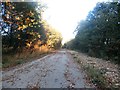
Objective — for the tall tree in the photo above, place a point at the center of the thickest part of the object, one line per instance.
(99, 34)
(22, 26)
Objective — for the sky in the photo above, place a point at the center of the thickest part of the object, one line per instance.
(64, 15)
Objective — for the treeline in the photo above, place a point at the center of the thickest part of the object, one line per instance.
(99, 34)
(24, 28)
(25, 35)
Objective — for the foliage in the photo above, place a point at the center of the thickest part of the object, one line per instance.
(99, 34)
(23, 26)
(97, 77)
(54, 38)
(24, 31)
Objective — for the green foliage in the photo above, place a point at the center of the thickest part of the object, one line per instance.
(99, 34)
(96, 76)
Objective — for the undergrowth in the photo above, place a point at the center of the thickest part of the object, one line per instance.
(10, 60)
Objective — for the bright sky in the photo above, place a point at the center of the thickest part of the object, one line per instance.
(64, 15)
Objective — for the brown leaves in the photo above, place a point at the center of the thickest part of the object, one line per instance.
(108, 70)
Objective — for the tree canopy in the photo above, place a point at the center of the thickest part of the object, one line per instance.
(99, 34)
(23, 26)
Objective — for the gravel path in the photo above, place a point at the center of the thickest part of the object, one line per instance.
(52, 71)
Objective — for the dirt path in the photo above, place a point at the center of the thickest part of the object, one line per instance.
(52, 71)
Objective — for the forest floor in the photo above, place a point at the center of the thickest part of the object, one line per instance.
(57, 70)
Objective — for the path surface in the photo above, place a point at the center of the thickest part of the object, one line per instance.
(52, 71)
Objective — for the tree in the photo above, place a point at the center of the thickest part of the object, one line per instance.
(54, 38)
(22, 26)
(99, 34)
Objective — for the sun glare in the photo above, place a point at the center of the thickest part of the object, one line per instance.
(64, 15)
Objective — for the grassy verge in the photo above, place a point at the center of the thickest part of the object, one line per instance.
(11, 60)
(97, 74)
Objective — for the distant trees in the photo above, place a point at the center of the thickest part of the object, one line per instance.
(99, 34)
(53, 37)
(23, 27)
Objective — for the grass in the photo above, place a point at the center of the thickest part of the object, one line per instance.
(10, 60)
(95, 75)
